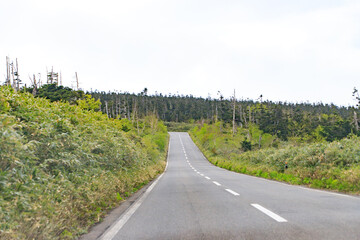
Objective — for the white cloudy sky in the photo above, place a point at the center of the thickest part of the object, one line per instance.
(287, 50)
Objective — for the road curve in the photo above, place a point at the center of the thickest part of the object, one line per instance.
(195, 200)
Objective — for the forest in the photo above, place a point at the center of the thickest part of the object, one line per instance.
(304, 122)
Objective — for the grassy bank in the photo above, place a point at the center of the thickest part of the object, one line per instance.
(62, 167)
(180, 126)
(322, 165)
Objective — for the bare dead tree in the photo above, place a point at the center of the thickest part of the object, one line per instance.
(356, 121)
(234, 107)
(16, 74)
(106, 108)
(12, 74)
(240, 115)
(35, 84)
(77, 81)
(7, 80)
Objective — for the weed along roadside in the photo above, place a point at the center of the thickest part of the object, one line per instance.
(64, 166)
(323, 165)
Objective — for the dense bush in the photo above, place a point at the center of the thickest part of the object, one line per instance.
(57, 93)
(327, 165)
(63, 166)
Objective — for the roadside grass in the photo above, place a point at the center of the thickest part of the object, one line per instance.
(333, 166)
(63, 167)
(180, 126)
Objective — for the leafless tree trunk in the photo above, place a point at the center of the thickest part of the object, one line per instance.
(7, 82)
(34, 84)
(106, 108)
(260, 137)
(234, 107)
(356, 121)
(216, 112)
(240, 115)
(77, 81)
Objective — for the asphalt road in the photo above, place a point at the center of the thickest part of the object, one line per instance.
(195, 200)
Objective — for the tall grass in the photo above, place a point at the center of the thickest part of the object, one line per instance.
(180, 126)
(326, 165)
(62, 167)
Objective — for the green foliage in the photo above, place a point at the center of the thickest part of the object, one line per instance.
(89, 103)
(246, 145)
(180, 126)
(62, 167)
(321, 164)
(57, 93)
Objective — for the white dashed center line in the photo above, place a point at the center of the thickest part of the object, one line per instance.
(257, 206)
(232, 192)
(269, 213)
(216, 183)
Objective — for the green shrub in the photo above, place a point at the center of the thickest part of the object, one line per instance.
(62, 166)
(321, 164)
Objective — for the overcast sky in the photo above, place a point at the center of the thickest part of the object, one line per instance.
(286, 50)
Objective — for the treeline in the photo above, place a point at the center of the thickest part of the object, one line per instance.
(301, 121)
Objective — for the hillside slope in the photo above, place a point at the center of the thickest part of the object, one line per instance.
(62, 166)
(328, 165)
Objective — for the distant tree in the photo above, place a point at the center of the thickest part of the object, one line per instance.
(57, 93)
(356, 119)
(357, 97)
(89, 103)
(246, 145)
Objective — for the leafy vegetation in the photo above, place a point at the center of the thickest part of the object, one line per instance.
(64, 163)
(319, 164)
(56, 93)
(180, 126)
(63, 166)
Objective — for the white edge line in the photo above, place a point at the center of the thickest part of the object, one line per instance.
(288, 184)
(232, 192)
(115, 228)
(207, 178)
(168, 157)
(269, 213)
(327, 192)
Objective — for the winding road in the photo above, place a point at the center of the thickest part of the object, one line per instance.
(195, 200)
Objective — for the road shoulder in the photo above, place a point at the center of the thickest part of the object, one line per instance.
(97, 230)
